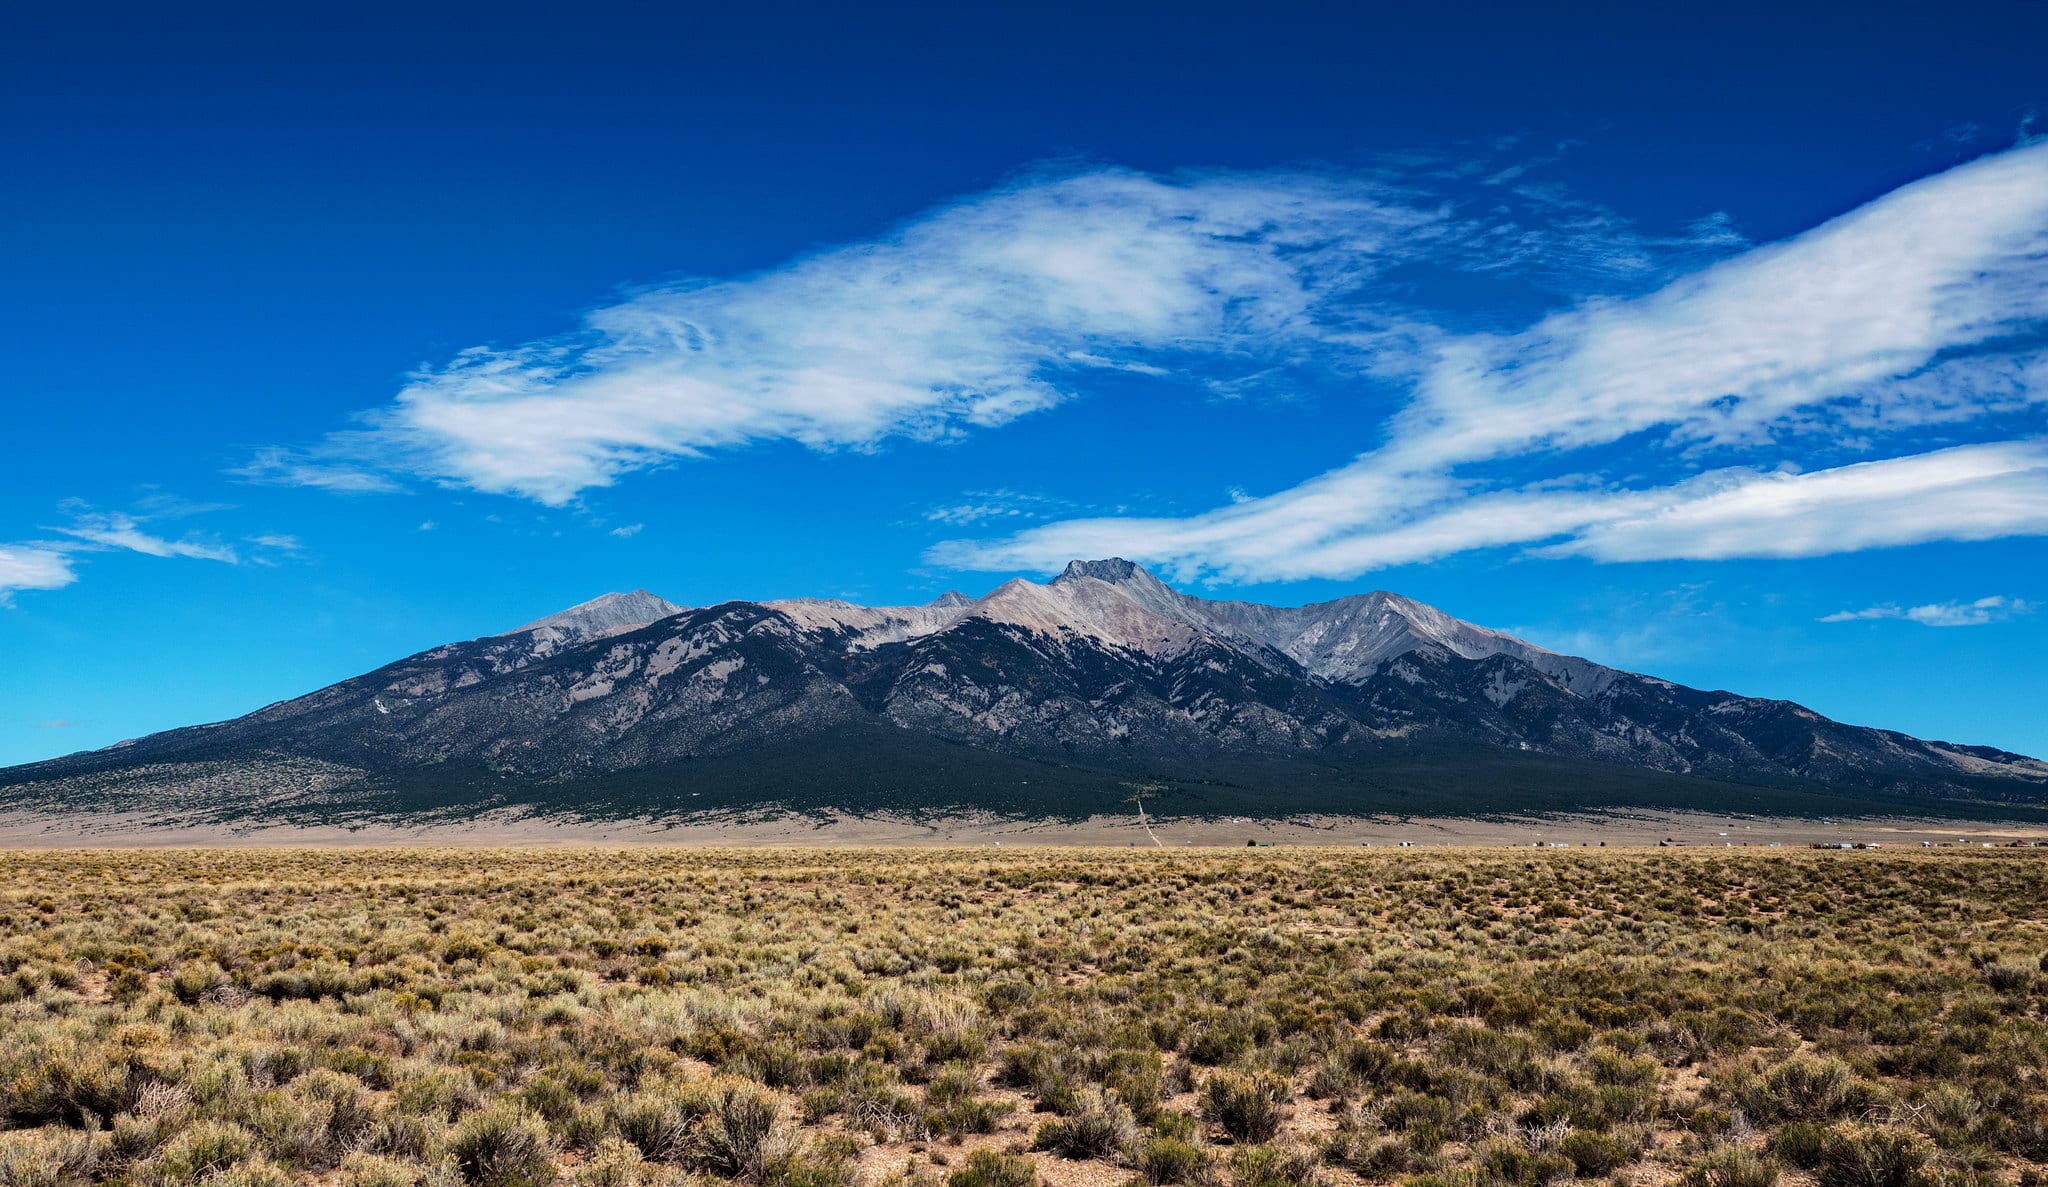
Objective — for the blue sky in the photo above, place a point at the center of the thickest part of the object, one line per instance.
(1709, 344)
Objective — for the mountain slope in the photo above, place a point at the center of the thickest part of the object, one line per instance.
(1075, 689)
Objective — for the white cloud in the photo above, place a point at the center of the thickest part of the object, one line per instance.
(1970, 492)
(51, 564)
(270, 546)
(28, 566)
(1730, 354)
(628, 531)
(115, 531)
(275, 466)
(985, 505)
(960, 514)
(970, 316)
(1928, 305)
(1977, 613)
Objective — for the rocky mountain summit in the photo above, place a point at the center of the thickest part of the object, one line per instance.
(1061, 698)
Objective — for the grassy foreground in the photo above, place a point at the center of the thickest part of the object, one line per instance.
(995, 1017)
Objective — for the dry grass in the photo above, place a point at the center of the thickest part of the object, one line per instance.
(994, 1018)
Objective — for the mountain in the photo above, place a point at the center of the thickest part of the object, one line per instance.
(1051, 699)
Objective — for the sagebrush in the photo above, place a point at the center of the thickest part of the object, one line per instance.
(984, 1018)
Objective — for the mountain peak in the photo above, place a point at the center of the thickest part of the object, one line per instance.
(952, 599)
(1115, 570)
(606, 614)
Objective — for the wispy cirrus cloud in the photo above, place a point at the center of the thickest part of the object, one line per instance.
(1969, 492)
(1685, 396)
(963, 514)
(52, 563)
(316, 469)
(1973, 492)
(1928, 306)
(1981, 612)
(114, 530)
(980, 506)
(976, 313)
(968, 318)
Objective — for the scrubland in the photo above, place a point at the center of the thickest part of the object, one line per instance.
(639, 1017)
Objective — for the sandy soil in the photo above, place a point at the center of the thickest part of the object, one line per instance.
(1630, 827)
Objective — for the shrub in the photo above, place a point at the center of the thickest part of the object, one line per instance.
(502, 1146)
(2028, 1137)
(375, 1170)
(398, 1135)
(1026, 1065)
(1166, 1160)
(1505, 1162)
(1595, 1154)
(1425, 1138)
(1950, 1113)
(1369, 1062)
(1038, 1069)
(1373, 1159)
(159, 1112)
(955, 1083)
(1137, 1080)
(1247, 1107)
(1731, 1166)
(1807, 1088)
(67, 1083)
(315, 1123)
(614, 1162)
(1101, 1128)
(969, 1116)
(259, 1172)
(826, 1163)
(200, 1151)
(1218, 1045)
(1801, 1143)
(657, 1124)
(550, 1098)
(991, 1168)
(289, 1128)
(743, 1132)
(1876, 1158)
(1001, 997)
(1405, 1110)
(439, 1093)
(1276, 1166)
(194, 978)
(44, 1159)
(1330, 1081)
(777, 1065)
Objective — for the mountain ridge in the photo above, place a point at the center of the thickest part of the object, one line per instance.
(1099, 679)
